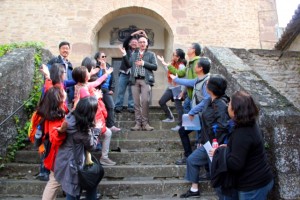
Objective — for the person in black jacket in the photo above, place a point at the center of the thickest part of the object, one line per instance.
(214, 124)
(130, 45)
(246, 156)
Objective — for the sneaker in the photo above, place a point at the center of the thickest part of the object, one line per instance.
(136, 128)
(107, 162)
(189, 194)
(114, 129)
(176, 128)
(168, 120)
(148, 128)
(181, 161)
(118, 110)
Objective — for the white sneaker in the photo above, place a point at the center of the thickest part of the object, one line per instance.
(176, 128)
(168, 120)
(107, 162)
(114, 129)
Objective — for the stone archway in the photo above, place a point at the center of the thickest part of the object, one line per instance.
(128, 15)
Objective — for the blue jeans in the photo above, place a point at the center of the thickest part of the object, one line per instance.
(90, 195)
(187, 105)
(197, 159)
(260, 194)
(122, 85)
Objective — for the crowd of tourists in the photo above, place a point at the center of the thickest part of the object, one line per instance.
(76, 116)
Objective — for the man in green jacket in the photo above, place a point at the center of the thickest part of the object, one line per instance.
(193, 53)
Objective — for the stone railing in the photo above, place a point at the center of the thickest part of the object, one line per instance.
(279, 119)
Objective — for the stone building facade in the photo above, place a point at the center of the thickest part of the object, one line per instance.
(89, 25)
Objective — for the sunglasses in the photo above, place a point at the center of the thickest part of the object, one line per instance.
(103, 56)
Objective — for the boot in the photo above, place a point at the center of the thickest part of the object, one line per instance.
(137, 127)
(148, 128)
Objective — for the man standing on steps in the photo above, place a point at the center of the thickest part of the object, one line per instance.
(130, 45)
(62, 58)
(142, 64)
(193, 53)
(200, 98)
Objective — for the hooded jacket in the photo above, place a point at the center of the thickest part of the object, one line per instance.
(65, 166)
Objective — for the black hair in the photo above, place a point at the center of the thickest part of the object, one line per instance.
(180, 53)
(63, 43)
(97, 55)
(79, 74)
(217, 84)
(50, 106)
(205, 63)
(89, 63)
(197, 48)
(56, 72)
(244, 109)
(85, 113)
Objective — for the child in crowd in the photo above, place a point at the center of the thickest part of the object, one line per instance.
(83, 89)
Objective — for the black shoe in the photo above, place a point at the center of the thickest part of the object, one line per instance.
(118, 110)
(189, 194)
(181, 161)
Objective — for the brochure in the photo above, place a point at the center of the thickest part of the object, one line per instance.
(191, 124)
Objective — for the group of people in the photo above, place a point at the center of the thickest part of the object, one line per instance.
(77, 112)
(238, 167)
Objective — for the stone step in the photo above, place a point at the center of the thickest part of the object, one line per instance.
(122, 158)
(118, 172)
(157, 145)
(154, 116)
(114, 189)
(145, 197)
(155, 134)
(157, 125)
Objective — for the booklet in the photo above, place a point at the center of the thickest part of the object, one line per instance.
(176, 90)
(188, 124)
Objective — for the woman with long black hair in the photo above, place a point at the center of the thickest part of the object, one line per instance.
(81, 136)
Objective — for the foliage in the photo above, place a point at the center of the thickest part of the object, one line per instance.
(5, 48)
(34, 96)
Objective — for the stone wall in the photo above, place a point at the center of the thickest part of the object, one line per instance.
(279, 69)
(16, 75)
(279, 119)
(231, 23)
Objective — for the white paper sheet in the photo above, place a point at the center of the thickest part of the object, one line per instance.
(207, 146)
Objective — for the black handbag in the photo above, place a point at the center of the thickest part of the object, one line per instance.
(90, 175)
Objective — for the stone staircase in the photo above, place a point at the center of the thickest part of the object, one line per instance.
(145, 166)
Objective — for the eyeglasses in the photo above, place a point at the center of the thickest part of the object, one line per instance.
(142, 42)
(103, 56)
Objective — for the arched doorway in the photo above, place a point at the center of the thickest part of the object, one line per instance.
(108, 33)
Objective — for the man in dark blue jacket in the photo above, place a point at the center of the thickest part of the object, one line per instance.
(62, 58)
